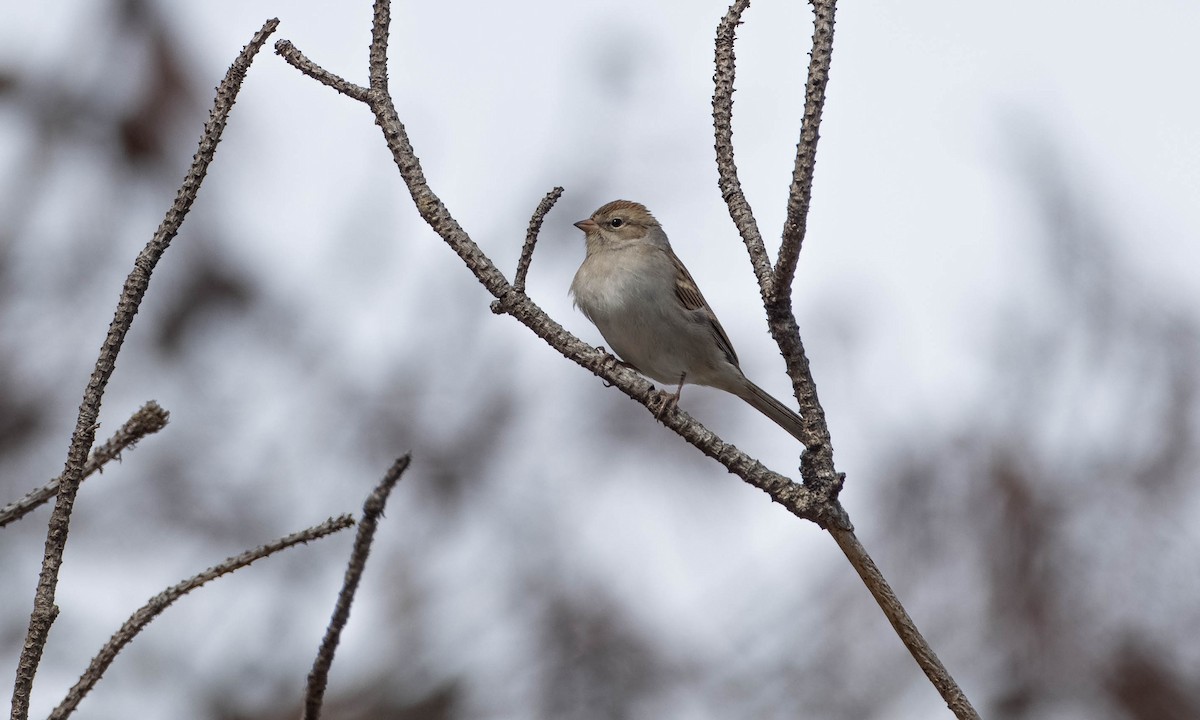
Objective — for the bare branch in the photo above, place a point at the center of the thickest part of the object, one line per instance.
(149, 419)
(85, 427)
(318, 677)
(727, 174)
(800, 194)
(904, 625)
(286, 50)
(145, 614)
(531, 238)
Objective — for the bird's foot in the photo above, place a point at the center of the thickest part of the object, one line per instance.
(609, 362)
(669, 401)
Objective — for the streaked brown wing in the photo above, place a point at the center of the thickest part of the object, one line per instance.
(691, 299)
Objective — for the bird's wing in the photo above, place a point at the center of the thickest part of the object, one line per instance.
(691, 299)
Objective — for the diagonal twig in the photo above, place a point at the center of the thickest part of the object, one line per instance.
(817, 466)
(160, 602)
(286, 50)
(149, 419)
(44, 610)
(318, 677)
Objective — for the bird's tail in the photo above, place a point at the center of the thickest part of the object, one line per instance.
(784, 416)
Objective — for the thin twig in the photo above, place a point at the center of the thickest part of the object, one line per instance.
(800, 194)
(531, 236)
(904, 625)
(149, 419)
(286, 50)
(318, 677)
(142, 617)
(727, 173)
(85, 427)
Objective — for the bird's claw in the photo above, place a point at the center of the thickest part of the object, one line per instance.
(608, 363)
(668, 402)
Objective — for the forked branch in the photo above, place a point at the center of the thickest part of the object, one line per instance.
(800, 193)
(817, 465)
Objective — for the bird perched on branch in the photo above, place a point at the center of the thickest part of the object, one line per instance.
(645, 303)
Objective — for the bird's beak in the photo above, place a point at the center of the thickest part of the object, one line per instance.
(588, 226)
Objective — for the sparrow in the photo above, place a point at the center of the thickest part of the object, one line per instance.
(646, 305)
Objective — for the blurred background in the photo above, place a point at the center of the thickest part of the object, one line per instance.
(997, 294)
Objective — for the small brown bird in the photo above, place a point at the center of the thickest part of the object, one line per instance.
(650, 312)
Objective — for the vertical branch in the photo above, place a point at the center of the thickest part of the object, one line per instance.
(817, 466)
(381, 24)
(44, 609)
(727, 174)
(800, 194)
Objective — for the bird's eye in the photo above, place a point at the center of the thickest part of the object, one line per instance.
(616, 222)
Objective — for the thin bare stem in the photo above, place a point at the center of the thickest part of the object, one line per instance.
(531, 236)
(149, 419)
(286, 50)
(904, 625)
(800, 194)
(318, 677)
(381, 25)
(84, 435)
(154, 607)
(727, 173)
